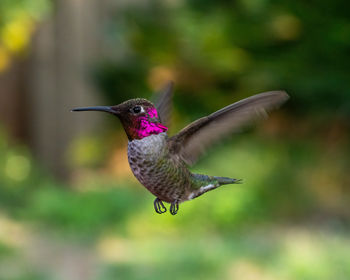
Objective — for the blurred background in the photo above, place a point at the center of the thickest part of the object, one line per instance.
(69, 205)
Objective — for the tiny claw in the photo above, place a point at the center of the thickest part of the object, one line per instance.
(174, 207)
(159, 206)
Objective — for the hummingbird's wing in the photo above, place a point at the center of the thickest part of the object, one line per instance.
(163, 103)
(193, 140)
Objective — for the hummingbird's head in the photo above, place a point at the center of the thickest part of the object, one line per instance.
(139, 117)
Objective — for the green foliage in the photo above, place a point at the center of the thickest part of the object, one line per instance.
(33, 8)
(87, 213)
(236, 230)
(260, 255)
(219, 49)
(17, 23)
(5, 251)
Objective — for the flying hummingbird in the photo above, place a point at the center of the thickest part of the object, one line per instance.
(161, 162)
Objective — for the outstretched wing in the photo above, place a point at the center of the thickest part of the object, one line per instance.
(163, 103)
(195, 138)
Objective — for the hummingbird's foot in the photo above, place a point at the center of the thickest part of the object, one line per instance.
(159, 206)
(174, 207)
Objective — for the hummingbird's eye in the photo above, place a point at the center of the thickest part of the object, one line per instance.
(137, 109)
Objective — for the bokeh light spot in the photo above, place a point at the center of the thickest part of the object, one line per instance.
(17, 167)
(16, 34)
(286, 27)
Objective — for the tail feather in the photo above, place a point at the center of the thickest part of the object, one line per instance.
(207, 183)
(201, 180)
(226, 180)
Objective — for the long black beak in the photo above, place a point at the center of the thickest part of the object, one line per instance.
(107, 109)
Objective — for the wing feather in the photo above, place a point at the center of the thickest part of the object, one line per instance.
(194, 139)
(163, 103)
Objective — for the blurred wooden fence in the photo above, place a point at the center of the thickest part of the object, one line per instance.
(36, 99)
(63, 50)
(12, 101)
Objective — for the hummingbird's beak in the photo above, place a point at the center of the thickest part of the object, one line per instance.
(108, 109)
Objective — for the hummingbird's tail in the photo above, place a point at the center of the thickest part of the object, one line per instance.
(226, 180)
(205, 183)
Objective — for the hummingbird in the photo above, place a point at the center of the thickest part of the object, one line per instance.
(160, 162)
